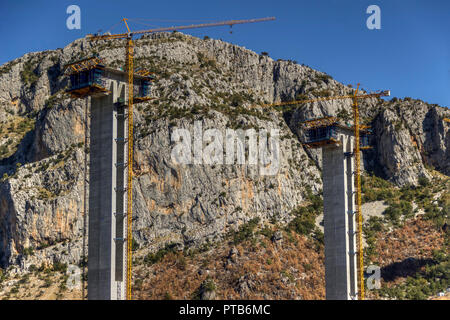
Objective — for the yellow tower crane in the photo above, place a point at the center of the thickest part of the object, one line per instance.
(130, 69)
(355, 97)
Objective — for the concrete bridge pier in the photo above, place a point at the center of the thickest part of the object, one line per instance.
(339, 220)
(107, 195)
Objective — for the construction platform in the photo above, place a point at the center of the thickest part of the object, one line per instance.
(89, 77)
(325, 131)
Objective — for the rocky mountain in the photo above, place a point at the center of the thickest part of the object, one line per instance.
(42, 145)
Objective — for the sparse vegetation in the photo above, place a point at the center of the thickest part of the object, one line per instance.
(245, 231)
(28, 74)
(433, 279)
(153, 258)
(305, 216)
(324, 77)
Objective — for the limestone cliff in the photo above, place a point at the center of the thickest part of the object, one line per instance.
(42, 134)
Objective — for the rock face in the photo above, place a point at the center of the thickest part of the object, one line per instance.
(198, 81)
(411, 136)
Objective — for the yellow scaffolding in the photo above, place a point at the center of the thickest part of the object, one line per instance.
(358, 195)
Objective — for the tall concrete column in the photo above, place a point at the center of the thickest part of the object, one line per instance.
(351, 215)
(107, 195)
(336, 222)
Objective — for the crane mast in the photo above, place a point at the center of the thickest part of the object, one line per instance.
(130, 68)
(358, 195)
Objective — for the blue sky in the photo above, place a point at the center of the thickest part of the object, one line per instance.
(410, 54)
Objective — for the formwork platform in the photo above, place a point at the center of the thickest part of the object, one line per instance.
(324, 131)
(90, 76)
(86, 78)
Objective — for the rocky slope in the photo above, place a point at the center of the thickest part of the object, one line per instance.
(42, 133)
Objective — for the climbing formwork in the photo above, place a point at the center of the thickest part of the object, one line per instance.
(325, 131)
(142, 91)
(87, 78)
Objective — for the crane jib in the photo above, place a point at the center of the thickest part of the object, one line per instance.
(193, 26)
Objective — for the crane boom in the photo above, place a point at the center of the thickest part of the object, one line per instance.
(363, 96)
(192, 26)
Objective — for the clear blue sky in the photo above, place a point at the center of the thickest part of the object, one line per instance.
(410, 54)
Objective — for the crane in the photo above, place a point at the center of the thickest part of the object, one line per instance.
(355, 97)
(128, 36)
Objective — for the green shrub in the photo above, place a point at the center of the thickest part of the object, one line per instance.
(14, 289)
(51, 101)
(319, 236)
(424, 182)
(437, 216)
(435, 278)
(28, 74)
(344, 115)
(3, 150)
(209, 285)
(323, 93)
(236, 100)
(153, 258)
(398, 209)
(374, 188)
(304, 222)
(245, 231)
(168, 296)
(59, 267)
(324, 77)
(301, 96)
(267, 232)
(134, 245)
(47, 283)
(28, 251)
(305, 217)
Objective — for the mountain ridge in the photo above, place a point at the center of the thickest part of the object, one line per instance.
(198, 80)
